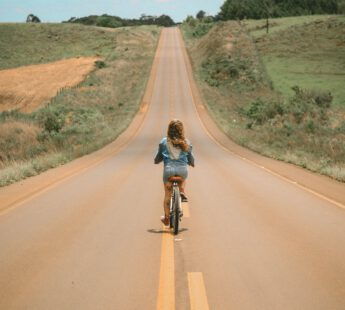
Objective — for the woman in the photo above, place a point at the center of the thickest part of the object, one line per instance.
(176, 153)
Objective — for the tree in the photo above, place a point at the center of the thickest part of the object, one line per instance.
(32, 19)
(256, 9)
(165, 21)
(240, 9)
(108, 21)
(200, 15)
(147, 19)
(191, 21)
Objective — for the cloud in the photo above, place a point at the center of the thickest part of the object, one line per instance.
(162, 1)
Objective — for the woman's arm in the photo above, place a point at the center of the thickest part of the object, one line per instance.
(190, 156)
(159, 155)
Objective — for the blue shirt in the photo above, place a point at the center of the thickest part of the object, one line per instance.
(184, 159)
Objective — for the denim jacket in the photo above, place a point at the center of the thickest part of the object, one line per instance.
(185, 158)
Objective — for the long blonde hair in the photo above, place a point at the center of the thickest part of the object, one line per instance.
(176, 136)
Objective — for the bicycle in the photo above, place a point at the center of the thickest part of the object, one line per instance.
(175, 204)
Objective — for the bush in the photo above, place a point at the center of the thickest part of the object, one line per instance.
(191, 21)
(100, 64)
(309, 103)
(51, 120)
(232, 69)
(201, 29)
(306, 108)
(261, 111)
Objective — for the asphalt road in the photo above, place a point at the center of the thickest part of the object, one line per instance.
(257, 234)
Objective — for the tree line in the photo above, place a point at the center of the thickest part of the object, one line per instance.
(116, 21)
(257, 9)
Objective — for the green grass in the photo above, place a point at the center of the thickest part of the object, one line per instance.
(309, 74)
(248, 87)
(82, 119)
(308, 55)
(257, 28)
(26, 44)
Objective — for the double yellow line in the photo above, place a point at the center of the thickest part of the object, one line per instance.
(166, 292)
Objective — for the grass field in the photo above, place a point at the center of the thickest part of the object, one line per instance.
(27, 44)
(257, 28)
(78, 120)
(306, 51)
(280, 94)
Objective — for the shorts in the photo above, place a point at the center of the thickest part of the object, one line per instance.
(170, 171)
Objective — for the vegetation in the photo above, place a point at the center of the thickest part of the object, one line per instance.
(198, 27)
(280, 94)
(304, 51)
(32, 19)
(52, 42)
(115, 21)
(79, 120)
(257, 9)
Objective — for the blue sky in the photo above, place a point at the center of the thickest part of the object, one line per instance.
(61, 10)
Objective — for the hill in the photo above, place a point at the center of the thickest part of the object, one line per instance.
(279, 93)
(80, 119)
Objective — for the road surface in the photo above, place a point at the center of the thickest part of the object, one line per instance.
(257, 234)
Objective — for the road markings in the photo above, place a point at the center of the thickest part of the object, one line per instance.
(197, 291)
(166, 291)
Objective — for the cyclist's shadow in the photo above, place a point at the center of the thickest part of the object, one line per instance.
(165, 231)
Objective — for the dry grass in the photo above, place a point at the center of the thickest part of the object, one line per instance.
(28, 88)
(17, 140)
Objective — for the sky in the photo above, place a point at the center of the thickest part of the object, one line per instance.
(63, 10)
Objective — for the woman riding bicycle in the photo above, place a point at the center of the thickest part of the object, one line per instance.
(176, 153)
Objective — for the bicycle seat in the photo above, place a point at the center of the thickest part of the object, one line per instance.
(175, 178)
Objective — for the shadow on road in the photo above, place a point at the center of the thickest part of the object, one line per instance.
(165, 231)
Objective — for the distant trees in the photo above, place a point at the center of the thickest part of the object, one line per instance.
(108, 21)
(256, 9)
(201, 14)
(32, 19)
(165, 21)
(147, 19)
(305, 7)
(115, 21)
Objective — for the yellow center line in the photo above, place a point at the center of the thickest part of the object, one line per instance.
(197, 291)
(171, 101)
(166, 291)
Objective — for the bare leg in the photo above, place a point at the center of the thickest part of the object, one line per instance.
(166, 203)
(182, 186)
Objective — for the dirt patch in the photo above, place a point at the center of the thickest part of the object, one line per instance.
(28, 88)
(229, 45)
